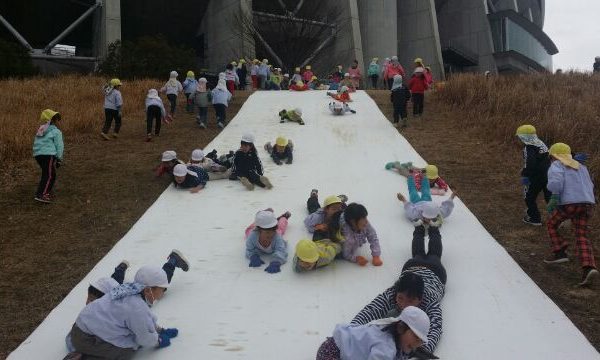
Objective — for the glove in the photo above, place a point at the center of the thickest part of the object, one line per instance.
(581, 157)
(377, 261)
(289, 161)
(552, 203)
(274, 267)
(255, 261)
(171, 333)
(390, 165)
(360, 260)
(163, 340)
(525, 181)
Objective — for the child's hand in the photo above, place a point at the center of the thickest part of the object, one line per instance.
(401, 197)
(360, 260)
(321, 227)
(377, 261)
(196, 189)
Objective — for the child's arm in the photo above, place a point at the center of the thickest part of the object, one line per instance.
(378, 308)
(434, 312)
(280, 251)
(373, 241)
(447, 207)
(197, 189)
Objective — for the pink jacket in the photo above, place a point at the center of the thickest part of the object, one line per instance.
(355, 74)
(307, 76)
(393, 70)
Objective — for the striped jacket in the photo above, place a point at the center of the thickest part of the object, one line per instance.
(384, 305)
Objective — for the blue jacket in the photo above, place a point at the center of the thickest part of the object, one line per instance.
(220, 96)
(263, 70)
(365, 342)
(51, 143)
(278, 247)
(190, 85)
(573, 186)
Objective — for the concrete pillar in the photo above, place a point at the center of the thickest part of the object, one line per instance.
(108, 26)
(379, 29)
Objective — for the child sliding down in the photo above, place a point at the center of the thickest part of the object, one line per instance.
(437, 185)
(340, 108)
(265, 237)
(247, 167)
(420, 209)
(283, 150)
(311, 255)
(294, 115)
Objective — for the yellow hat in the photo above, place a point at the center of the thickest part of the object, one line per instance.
(431, 171)
(115, 82)
(255, 61)
(242, 61)
(418, 61)
(375, 59)
(297, 69)
(525, 130)
(47, 115)
(562, 152)
(299, 83)
(331, 200)
(281, 141)
(190, 74)
(307, 251)
(233, 63)
(308, 67)
(313, 78)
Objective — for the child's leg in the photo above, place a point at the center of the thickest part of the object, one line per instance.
(254, 178)
(282, 224)
(425, 189)
(583, 244)
(157, 122)
(418, 241)
(108, 116)
(312, 204)
(396, 114)
(169, 268)
(117, 122)
(45, 164)
(203, 112)
(435, 242)
(413, 194)
(149, 118)
(249, 229)
(119, 273)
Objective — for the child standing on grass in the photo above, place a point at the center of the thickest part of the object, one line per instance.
(254, 74)
(214, 170)
(48, 148)
(355, 75)
(399, 97)
(231, 78)
(308, 74)
(283, 150)
(113, 108)
(265, 237)
(172, 88)
(297, 76)
(155, 111)
(417, 86)
(189, 87)
(373, 72)
(202, 98)
(242, 72)
(247, 166)
(220, 100)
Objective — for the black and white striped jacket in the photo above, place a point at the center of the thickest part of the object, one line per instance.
(384, 305)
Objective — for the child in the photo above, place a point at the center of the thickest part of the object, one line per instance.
(291, 115)
(172, 88)
(428, 77)
(355, 75)
(225, 160)
(394, 68)
(340, 108)
(48, 149)
(352, 226)
(311, 255)
(283, 149)
(242, 72)
(417, 86)
(314, 83)
(318, 218)
(247, 166)
(337, 75)
(421, 209)
(155, 111)
(189, 177)
(308, 74)
(285, 82)
(113, 108)
(385, 339)
(342, 95)
(348, 83)
(436, 184)
(202, 98)
(264, 237)
(168, 162)
(231, 78)
(399, 98)
(534, 174)
(299, 86)
(263, 74)
(214, 170)
(254, 73)
(220, 100)
(297, 77)
(275, 80)
(189, 87)
(332, 84)
(373, 72)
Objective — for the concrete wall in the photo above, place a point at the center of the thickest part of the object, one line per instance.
(418, 35)
(378, 29)
(108, 26)
(221, 35)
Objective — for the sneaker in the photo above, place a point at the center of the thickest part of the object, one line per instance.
(301, 122)
(268, 147)
(43, 199)
(557, 257)
(588, 274)
(527, 220)
(343, 197)
(220, 125)
(286, 215)
(123, 265)
(115, 135)
(198, 121)
(180, 261)
(202, 125)
(212, 155)
(265, 180)
(104, 136)
(314, 192)
(247, 183)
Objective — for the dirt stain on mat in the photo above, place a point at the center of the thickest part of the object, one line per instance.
(235, 348)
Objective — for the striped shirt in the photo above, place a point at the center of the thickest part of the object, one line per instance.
(384, 305)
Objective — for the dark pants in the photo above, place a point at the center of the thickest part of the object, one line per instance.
(532, 191)
(153, 113)
(94, 348)
(221, 115)
(48, 165)
(418, 101)
(312, 204)
(189, 105)
(109, 116)
(202, 115)
(374, 79)
(389, 84)
(400, 112)
(431, 259)
(254, 178)
(173, 101)
(262, 82)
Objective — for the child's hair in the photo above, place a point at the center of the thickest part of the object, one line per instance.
(95, 292)
(229, 67)
(334, 225)
(411, 285)
(355, 212)
(396, 329)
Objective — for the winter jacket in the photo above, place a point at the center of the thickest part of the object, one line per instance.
(125, 323)
(192, 181)
(343, 97)
(113, 100)
(384, 305)
(189, 85)
(328, 250)
(349, 83)
(242, 72)
(373, 70)
(417, 84)
(439, 182)
(307, 76)
(296, 78)
(263, 70)
(392, 70)
(163, 169)
(291, 115)
(537, 162)
(50, 143)
(353, 240)
(156, 102)
(366, 342)
(597, 66)
(288, 153)
(337, 76)
(314, 219)
(573, 186)
(220, 96)
(285, 83)
(244, 163)
(400, 96)
(355, 73)
(172, 88)
(278, 247)
(253, 69)
(202, 99)
(231, 75)
(428, 79)
(413, 212)
(275, 79)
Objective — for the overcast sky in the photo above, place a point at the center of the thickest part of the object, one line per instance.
(574, 27)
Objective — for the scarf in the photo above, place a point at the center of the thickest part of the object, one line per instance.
(42, 129)
(397, 82)
(126, 289)
(533, 140)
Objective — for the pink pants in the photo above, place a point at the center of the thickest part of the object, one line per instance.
(282, 224)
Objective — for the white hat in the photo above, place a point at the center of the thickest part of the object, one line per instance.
(430, 210)
(286, 75)
(197, 155)
(180, 170)
(151, 276)
(346, 74)
(169, 155)
(394, 58)
(265, 219)
(298, 111)
(337, 105)
(419, 69)
(173, 74)
(105, 284)
(202, 80)
(417, 321)
(248, 138)
(153, 94)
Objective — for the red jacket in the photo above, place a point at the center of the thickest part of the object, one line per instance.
(439, 182)
(418, 84)
(307, 76)
(343, 97)
(391, 71)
